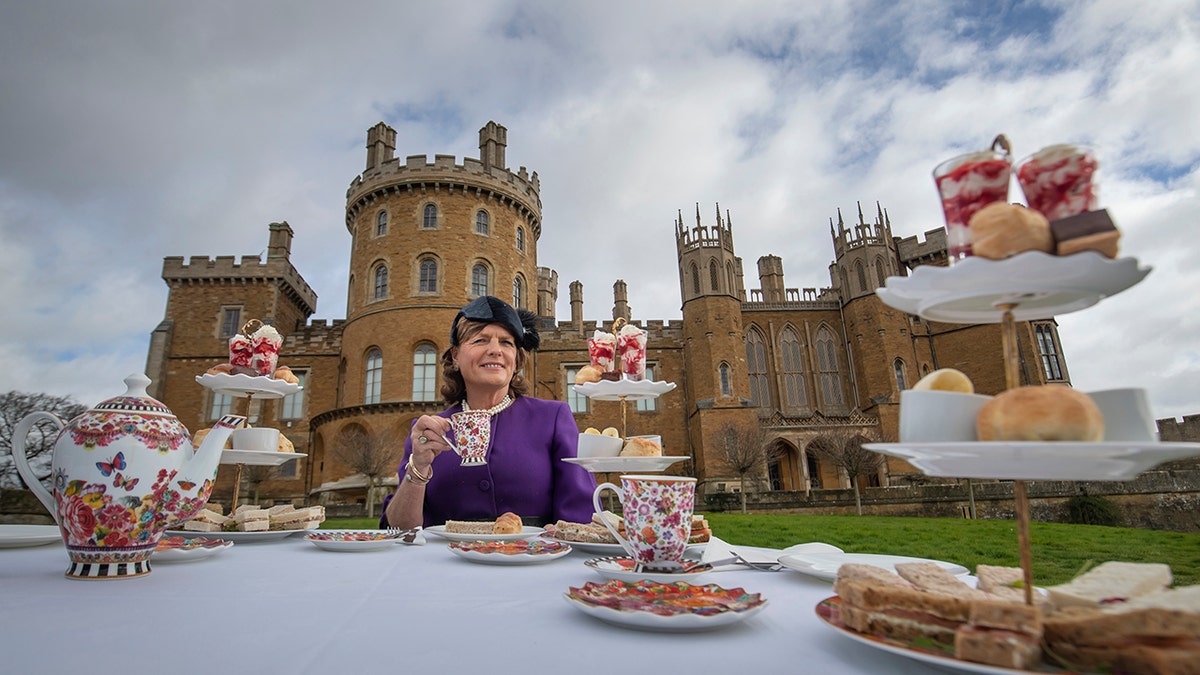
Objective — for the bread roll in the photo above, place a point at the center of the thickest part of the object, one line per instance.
(641, 447)
(1001, 230)
(946, 379)
(588, 374)
(1049, 412)
(284, 373)
(507, 523)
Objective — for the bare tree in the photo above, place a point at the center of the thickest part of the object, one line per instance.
(39, 444)
(744, 447)
(372, 454)
(843, 447)
(254, 475)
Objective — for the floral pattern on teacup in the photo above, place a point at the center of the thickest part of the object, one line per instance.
(472, 434)
(658, 518)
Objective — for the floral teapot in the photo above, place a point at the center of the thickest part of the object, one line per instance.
(123, 471)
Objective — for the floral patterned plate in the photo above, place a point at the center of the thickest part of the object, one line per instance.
(187, 549)
(625, 569)
(521, 552)
(674, 607)
(354, 540)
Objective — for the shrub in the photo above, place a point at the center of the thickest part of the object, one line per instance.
(1093, 510)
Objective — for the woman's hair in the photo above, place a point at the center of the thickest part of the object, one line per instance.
(454, 388)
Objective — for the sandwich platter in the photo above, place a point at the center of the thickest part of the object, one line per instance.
(825, 565)
(613, 549)
(926, 653)
(353, 540)
(21, 536)
(520, 552)
(240, 537)
(527, 532)
(673, 607)
(174, 549)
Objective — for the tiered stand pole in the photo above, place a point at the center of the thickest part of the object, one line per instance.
(1012, 374)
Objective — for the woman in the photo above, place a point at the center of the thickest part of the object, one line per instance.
(529, 437)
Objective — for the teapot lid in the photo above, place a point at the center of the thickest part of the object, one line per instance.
(135, 399)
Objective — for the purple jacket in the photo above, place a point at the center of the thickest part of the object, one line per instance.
(524, 473)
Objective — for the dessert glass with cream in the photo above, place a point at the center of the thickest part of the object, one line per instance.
(265, 344)
(966, 184)
(631, 342)
(602, 349)
(1059, 180)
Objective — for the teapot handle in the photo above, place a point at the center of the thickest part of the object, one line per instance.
(22, 461)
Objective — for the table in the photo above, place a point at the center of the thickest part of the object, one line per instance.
(288, 607)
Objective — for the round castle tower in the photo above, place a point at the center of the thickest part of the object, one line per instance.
(426, 239)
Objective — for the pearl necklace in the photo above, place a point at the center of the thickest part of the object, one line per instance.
(507, 401)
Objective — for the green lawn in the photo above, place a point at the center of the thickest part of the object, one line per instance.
(1059, 551)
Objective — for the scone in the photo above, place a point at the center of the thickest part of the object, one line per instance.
(507, 523)
(641, 447)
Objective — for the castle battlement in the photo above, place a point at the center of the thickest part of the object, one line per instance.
(317, 337)
(719, 235)
(655, 328)
(794, 299)
(914, 252)
(247, 268)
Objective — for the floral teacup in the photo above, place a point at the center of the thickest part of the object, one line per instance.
(657, 511)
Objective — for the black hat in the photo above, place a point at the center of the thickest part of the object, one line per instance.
(489, 309)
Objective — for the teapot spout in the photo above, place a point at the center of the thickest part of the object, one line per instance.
(196, 476)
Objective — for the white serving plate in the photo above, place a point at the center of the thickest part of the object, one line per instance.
(1041, 285)
(684, 617)
(1012, 460)
(625, 464)
(623, 568)
(630, 390)
(938, 660)
(258, 457)
(21, 536)
(242, 385)
(527, 532)
(353, 541)
(195, 548)
(240, 537)
(825, 565)
(520, 552)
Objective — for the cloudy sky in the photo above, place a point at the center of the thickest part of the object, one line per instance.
(130, 131)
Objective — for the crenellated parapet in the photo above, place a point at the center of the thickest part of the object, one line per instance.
(318, 337)
(655, 328)
(930, 251)
(485, 178)
(228, 269)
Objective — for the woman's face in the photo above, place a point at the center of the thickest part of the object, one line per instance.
(487, 359)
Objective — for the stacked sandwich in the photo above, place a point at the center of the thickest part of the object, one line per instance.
(288, 517)
(595, 532)
(507, 523)
(1120, 617)
(252, 518)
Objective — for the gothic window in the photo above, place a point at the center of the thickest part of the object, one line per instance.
(481, 222)
(827, 364)
(729, 278)
(518, 299)
(425, 373)
(901, 380)
(429, 222)
(756, 369)
(862, 275)
(221, 406)
(292, 406)
(521, 239)
(381, 282)
(713, 277)
(695, 279)
(576, 401)
(374, 376)
(648, 404)
(479, 280)
(429, 276)
(726, 379)
(231, 321)
(381, 224)
(879, 270)
(1051, 364)
(792, 374)
(814, 472)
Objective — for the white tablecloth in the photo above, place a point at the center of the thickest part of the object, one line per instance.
(288, 607)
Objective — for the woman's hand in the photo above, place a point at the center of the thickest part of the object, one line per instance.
(428, 438)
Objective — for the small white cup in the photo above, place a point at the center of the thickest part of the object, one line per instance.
(597, 445)
(939, 416)
(1127, 415)
(256, 439)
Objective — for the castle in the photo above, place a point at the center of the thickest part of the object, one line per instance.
(800, 366)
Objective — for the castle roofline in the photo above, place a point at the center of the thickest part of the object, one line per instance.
(228, 268)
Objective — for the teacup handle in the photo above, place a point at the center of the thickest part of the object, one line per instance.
(22, 461)
(599, 509)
